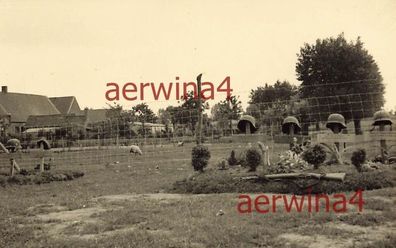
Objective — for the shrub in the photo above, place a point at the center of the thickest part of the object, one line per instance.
(232, 159)
(18, 179)
(24, 172)
(77, 174)
(358, 158)
(253, 159)
(241, 158)
(315, 155)
(200, 157)
(32, 177)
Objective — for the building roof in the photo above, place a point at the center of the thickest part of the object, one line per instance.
(21, 106)
(3, 111)
(97, 115)
(66, 104)
(59, 120)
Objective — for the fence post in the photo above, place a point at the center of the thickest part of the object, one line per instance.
(383, 144)
(199, 136)
(42, 157)
(12, 172)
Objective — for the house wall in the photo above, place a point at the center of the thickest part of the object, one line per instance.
(16, 128)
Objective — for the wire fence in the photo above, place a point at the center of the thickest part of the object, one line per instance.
(79, 141)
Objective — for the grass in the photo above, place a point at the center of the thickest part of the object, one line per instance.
(388, 242)
(368, 219)
(187, 221)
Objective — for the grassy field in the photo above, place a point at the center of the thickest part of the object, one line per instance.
(122, 201)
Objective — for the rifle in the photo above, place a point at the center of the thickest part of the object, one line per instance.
(327, 176)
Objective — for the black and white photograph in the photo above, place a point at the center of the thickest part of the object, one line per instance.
(197, 124)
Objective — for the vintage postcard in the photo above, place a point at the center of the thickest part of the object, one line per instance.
(184, 123)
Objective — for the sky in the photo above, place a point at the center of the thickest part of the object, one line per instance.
(63, 48)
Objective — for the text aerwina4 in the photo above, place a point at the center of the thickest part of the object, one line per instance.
(137, 91)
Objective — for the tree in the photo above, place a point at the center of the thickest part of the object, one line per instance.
(144, 114)
(164, 116)
(188, 111)
(271, 94)
(119, 120)
(271, 102)
(227, 110)
(167, 117)
(340, 77)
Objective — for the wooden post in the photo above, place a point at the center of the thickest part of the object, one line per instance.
(291, 130)
(13, 164)
(248, 129)
(199, 134)
(12, 172)
(42, 157)
(14, 167)
(336, 130)
(383, 145)
(266, 157)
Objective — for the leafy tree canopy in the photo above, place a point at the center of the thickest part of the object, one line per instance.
(267, 96)
(227, 110)
(143, 113)
(339, 77)
(270, 103)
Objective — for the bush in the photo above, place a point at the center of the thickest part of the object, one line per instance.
(33, 177)
(241, 158)
(315, 155)
(358, 158)
(18, 179)
(77, 174)
(253, 159)
(232, 159)
(200, 157)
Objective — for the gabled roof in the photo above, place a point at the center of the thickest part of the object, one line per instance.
(59, 120)
(21, 106)
(66, 104)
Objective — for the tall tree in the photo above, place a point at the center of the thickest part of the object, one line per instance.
(270, 103)
(119, 121)
(144, 114)
(188, 111)
(164, 116)
(272, 94)
(167, 117)
(227, 110)
(340, 76)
